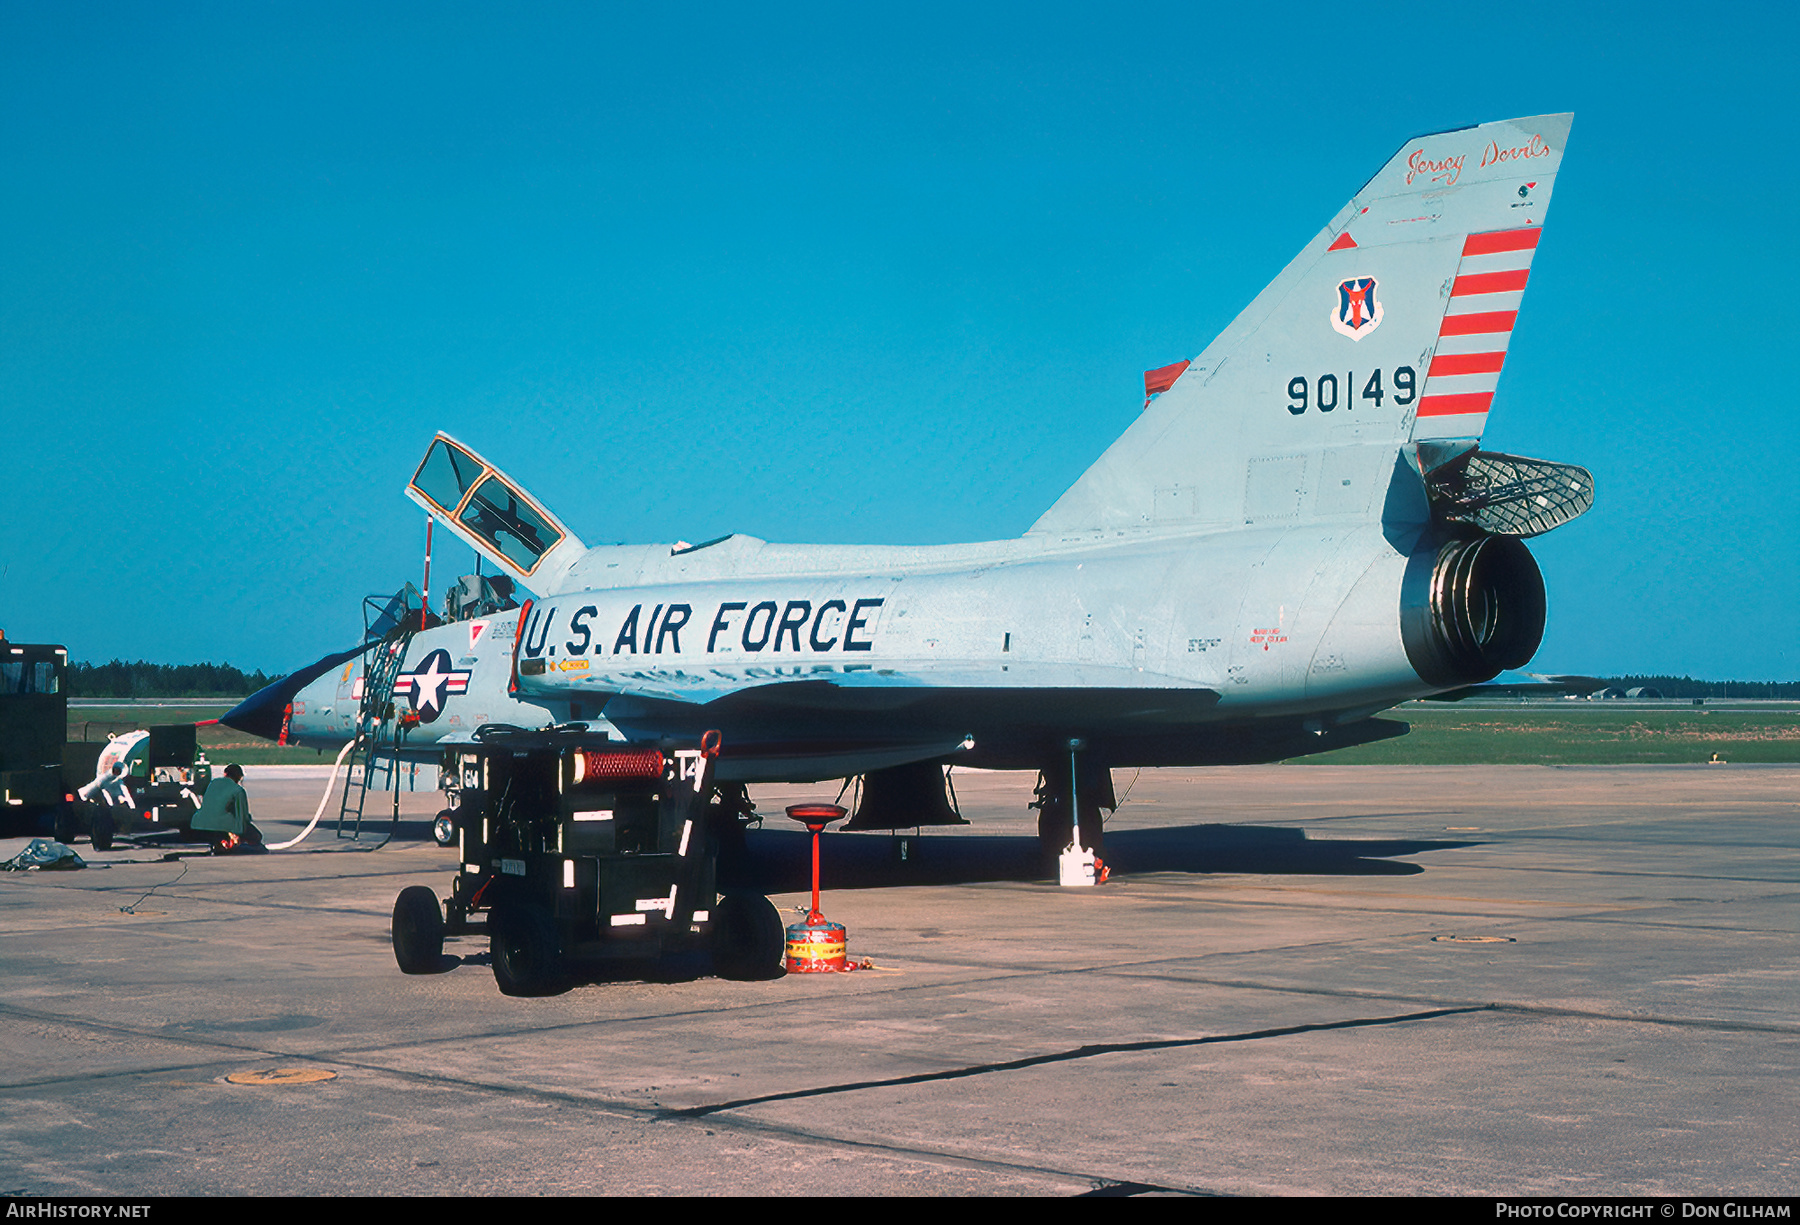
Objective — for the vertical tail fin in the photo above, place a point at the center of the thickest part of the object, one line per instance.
(1390, 326)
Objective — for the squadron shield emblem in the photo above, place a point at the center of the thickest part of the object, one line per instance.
(1358, 309)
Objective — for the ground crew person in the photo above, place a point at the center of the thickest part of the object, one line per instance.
(224, 815)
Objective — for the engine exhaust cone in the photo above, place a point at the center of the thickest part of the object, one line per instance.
(1471, 607)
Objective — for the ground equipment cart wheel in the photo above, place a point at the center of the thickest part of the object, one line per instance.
(523, 944)
(418, 931)
(100, 828)
(749, 941)
(67, 825)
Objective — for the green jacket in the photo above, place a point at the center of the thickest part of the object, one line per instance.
(225, 808)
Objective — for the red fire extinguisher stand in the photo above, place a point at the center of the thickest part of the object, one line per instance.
(817, 945)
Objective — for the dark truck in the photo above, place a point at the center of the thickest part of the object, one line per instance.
(39, 770)
(160, 771)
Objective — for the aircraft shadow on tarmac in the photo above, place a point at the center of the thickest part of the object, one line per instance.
(780, 861)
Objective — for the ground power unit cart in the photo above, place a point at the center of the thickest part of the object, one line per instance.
(574, 847)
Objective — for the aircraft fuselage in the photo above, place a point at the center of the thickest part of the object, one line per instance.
(1156, 650)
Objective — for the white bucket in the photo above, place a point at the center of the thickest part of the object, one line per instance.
(1075, 865)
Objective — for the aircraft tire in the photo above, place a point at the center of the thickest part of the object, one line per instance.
(67, 824)
(523, 947)
(101, 829)
(749, 942)
(443, 828)
(418, 931)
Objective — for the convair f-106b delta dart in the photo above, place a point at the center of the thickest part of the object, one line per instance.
(1298, 532)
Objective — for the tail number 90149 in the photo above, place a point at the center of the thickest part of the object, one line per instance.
(1325, 393)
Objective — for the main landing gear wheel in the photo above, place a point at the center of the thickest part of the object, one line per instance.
(418, 931)
(749, 942)
(522, 941)
(443, 828)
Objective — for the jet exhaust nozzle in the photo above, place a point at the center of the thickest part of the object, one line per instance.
(1471, 608)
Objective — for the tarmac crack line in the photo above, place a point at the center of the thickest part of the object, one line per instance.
(1544, 1010)
(1086, 1051)
(1101, 1184)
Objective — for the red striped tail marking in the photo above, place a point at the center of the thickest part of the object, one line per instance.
(1489, 282)
(1478, 321)
(1466, 363)
(1477, 326)
(1501, 240)
(1455, 405)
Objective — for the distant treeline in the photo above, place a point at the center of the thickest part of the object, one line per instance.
(142, 679)
(1688, 687)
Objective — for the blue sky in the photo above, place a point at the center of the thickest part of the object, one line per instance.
(825, 275)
